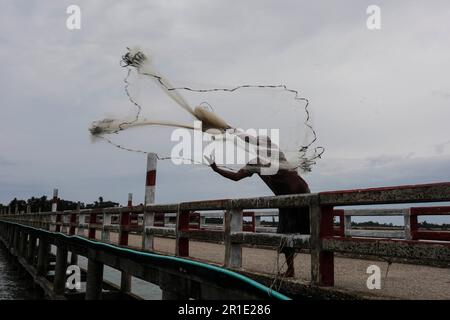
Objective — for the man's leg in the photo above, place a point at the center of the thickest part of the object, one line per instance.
(289, 254)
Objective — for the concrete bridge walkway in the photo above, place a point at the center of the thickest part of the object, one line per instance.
(403, 281)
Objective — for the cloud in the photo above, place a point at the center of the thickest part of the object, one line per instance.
(440, 148)
(441, 94)
(5, 162)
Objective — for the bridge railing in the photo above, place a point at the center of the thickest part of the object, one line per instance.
(382, 232)
(322, 242)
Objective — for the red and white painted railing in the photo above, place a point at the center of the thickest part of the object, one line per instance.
(323, 241)
(417, 233)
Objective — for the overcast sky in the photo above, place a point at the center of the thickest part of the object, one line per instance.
(380, 98)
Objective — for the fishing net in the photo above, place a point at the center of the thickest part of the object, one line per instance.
(258, 124)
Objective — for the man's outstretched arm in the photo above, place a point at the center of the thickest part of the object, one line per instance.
(235, 176)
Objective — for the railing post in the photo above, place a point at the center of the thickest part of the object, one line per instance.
(147, 238)
(202, 221)
(55, 216)
(72, 227)
(73, 221)
(52, 222)
(40, 221)
(413, 223)
(257, 221)
(322, 262)
(253, 222)
(149, 216)
(50, 219)
(59, 283)
(92, 228)
(347, 225)
(11, 238)
(150, 180)
(81, 223)
(31, 219)
(124, 219)
(45, 221)
(43, 256)
(407, 219)
(62, 220)
(173, 287)
(58, 221)
(16, 240)
(233, 251)
(73, 258)
(341, 230)
(182, 241)
(37, 220)
(125, 282)
(107, 222)
(31, 252)
(252, 227)
(125, 223)
(94, 280)
(23, 243)
(55, 200)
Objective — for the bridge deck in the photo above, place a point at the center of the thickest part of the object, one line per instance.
(403, 281)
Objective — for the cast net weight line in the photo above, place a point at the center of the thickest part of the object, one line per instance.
(138, 59)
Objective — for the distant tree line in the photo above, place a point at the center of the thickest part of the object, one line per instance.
(367, 224)
(43, 204)
(427, 225)
(424, 225)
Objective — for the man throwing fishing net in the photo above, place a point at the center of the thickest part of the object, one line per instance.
(285, 181)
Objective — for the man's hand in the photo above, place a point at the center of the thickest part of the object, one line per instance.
(212, 161)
